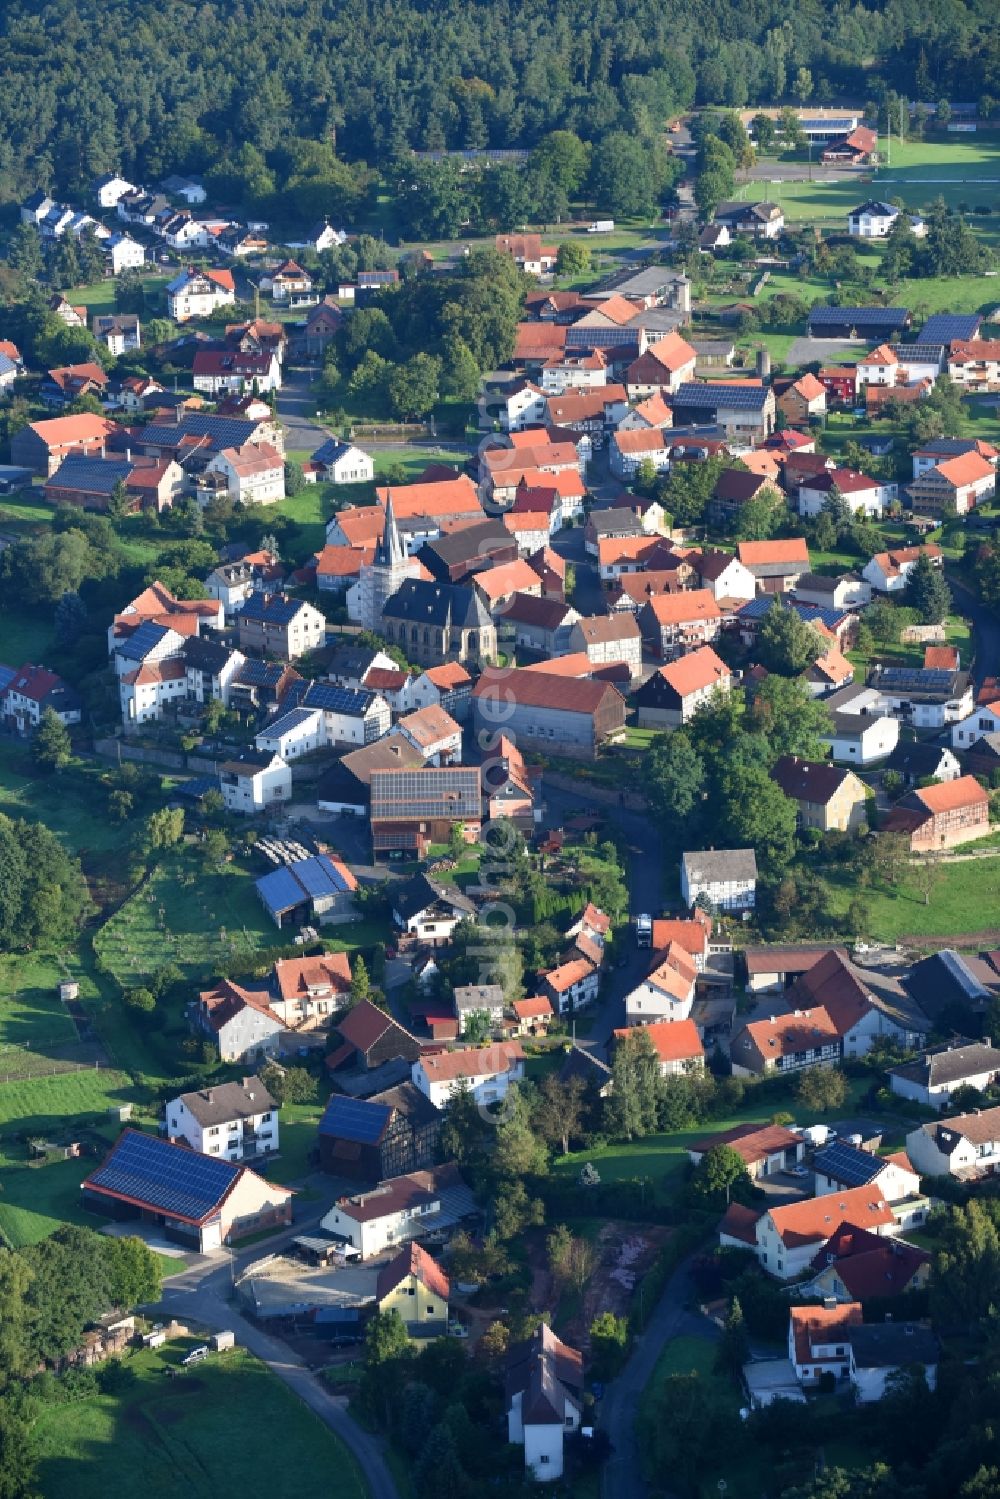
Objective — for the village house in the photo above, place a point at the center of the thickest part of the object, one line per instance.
(528, 253)
(674, 623)
(386, 1135)
(776, 566)
(966, 1146)
(760, 220)
(666, 994)
(889, 572)
(848, 591)
(725, 878)
(818, 1340)
(448, 686)
(275, 625)
(629, 449)
(42, 446)
(221, 372)
(400, 1209)
(734, 489)
(323, 323)
(899, 368)
(974, 364)
(861, 732)
(788, 1237)
(607, 638)
(428, 909)
(741, 408)
(522, 404)
(532, 1016)
(954, 486)
(881, 1352)
(674, 692)
(120, 332)
(485, 1001)
(571, 985)
(841, 1166)
(874, 219)
(724, 575)
(666, 364)
(197, 294)
(941, 816)
(485, 1072)
(414, 1285)
(938, 1074)
(253, 474)
(434, 733)
(539, 624)
(827, 673)
(863, 495)
(193, 1199)
(827, 797)
(544, 1394)
(802, 399)
(254, 781)
(855, 1265)
(236, 1120)
(677, 1045)
(289, 285)
(369, 1040)
(28, 692)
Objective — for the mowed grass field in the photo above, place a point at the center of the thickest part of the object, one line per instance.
(72, 805)
(226, 1426)
(965, 899)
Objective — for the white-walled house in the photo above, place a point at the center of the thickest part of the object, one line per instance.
(394, 1211)
(486, 1072)
(840, 1166)
(254, 782)
(966, 1145)
(293, 734)
(938, 1074)
(343, 463)
(727, 877)
(236, 1120)
(862, 494)
(789, 1236)
(667, 991)
(889, 572)
(544, 1384)
(875, 219)
(984, 719)
(882, 1350)
(817, 1340)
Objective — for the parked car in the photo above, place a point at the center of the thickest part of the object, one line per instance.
(196, 1355)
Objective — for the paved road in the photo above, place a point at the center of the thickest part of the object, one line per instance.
(303, 433)
(622, 1477)
(986, 625)
(200, 1296)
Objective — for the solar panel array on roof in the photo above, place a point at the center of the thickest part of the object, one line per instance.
(258, 673)
(318, 876)
(280, 891)
(426, 793)
(167, 1177)
(917, 678)
(198, 787)
(354, 1119)
(334, 699)
(599, 337)
(286, 722)
(7, 675)
(850, 1167)
(711, 397)
(942, 327)
(758, 607)
(224, 431)
(143, 640)
(865, 317)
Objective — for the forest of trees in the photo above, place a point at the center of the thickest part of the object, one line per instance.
(291, 95)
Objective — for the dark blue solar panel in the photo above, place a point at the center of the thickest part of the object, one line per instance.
(258, 673)
(142, 640)
(942, 327)
(864, 317)
(854, 1168)
(274, 608)
(316, 876)
(354, 1119)
(166, 1177)
(286, 721)
(280, 891)
(334, 699)
(7, 675)
(739, 397)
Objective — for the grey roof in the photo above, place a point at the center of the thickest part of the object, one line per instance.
(951, 1064)
(892, 1345)
(206, 655)
(944, 979)
(473, 997)
(652, 282)
(465, 546)
(584, 1064)
(819, 583)
(224, 1101)
(423, 891)
(914, 758)
(720, 864)
(614, 521)
(441, 604)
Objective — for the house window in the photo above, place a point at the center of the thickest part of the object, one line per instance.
(544, 1458)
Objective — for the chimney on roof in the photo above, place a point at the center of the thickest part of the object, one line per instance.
(209, 1094)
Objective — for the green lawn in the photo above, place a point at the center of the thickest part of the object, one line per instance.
(26, 638)
(36, 1200)
(225, 1427)
(663, 1157)
(966, 899)
(72, 805)
(186, 916)
(897, 653)
(99, 296)
(33, 1019)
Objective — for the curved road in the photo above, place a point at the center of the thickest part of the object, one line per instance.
(986, 625)
(200, 1296)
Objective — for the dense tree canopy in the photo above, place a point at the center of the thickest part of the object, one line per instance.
(43, 895)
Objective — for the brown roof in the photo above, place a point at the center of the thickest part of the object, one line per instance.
(754, 1142)
(691, 934)
(539, 340)
(533, 1008)
(584, 405)
(740, 1222)
(641, 440)
(796, 959)
(672, 351)
(399, 1192)
(808, 780)
(480, 1061)
(365, 1024)
(428, 725)
(452, 674)
(539, 689)
(941, 657)
(343, 561)
(786, 1035)
(567, 974)
(602, 628)
(412, 1260)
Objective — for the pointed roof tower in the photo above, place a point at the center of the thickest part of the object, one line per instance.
(389, 552)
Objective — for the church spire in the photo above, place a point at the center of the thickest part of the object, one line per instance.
(390, 551)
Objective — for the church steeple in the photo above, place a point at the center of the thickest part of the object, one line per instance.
(389, 552)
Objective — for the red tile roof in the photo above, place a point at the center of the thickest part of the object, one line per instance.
(695, 671)
(820, 1325)
(673, 1040)
(815, 1219)
(483, 1061)
(412, 1260)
